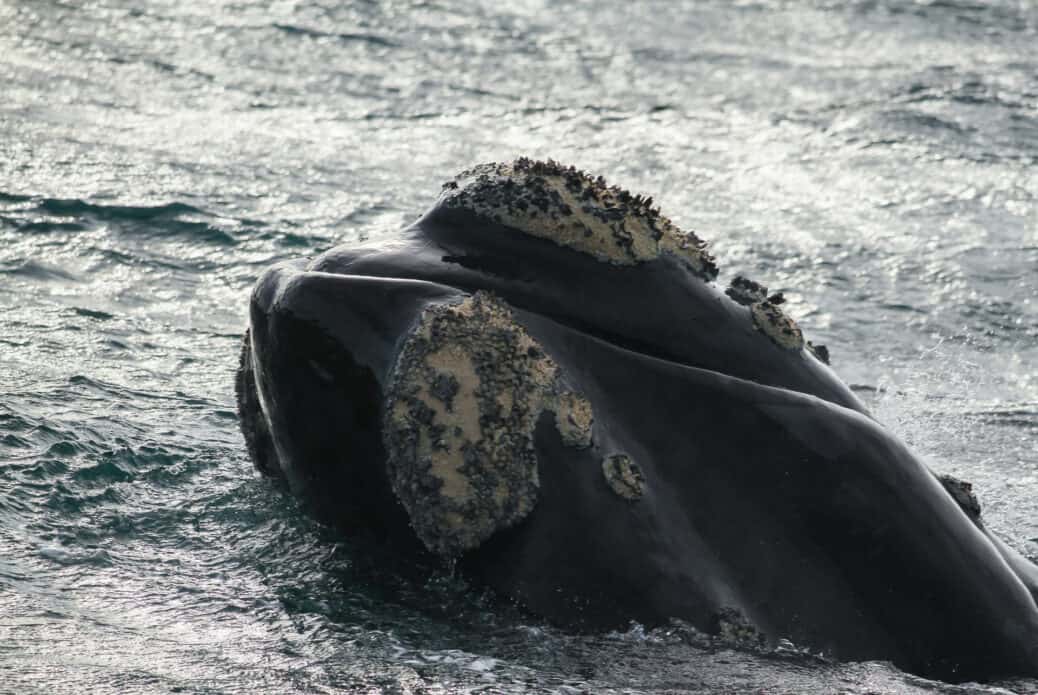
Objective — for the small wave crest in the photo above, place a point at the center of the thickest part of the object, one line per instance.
(372, 39)
(175, 222)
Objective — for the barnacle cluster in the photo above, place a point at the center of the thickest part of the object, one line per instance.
(573, 209)
(769, 318)
(467, 389)
(624, 476)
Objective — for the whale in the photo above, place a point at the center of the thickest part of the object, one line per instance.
(541, 384)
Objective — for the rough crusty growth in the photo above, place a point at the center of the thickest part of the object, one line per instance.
(746, 291)
(962, 492)
(573, 418)
(732, 626)
(569, 207)
(769, 319)
(819, 351)
(774, 323)
(467, 389)
(624, 476)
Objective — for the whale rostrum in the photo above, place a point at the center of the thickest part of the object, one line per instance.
(539, 383)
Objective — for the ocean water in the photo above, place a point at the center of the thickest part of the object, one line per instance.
(875, 160)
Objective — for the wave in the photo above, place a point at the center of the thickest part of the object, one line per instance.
(75, 207)
(373, 39)
(43, 215)
(1023, 418)
(37, 270)
(74, 214)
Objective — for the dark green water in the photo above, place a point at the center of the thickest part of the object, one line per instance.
(876, 161)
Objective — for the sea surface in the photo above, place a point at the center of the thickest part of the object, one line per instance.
(877, 161)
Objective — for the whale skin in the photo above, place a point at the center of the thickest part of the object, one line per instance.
(540, 382)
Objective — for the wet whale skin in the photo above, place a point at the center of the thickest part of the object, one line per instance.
(658, 448)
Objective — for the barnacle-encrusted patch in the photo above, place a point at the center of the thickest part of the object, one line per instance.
(624, 476)
(774, 323)
(962, 492)
(733, 626)
(819, 351)
(747, 292)
(569, 207)
(467, 389)
(573, 418)
(769, 318)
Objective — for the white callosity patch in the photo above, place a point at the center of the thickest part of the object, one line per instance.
(464, 398)
(624, 476)
(569, 207)
(770, 320)
(573, 419)
(572, 209)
